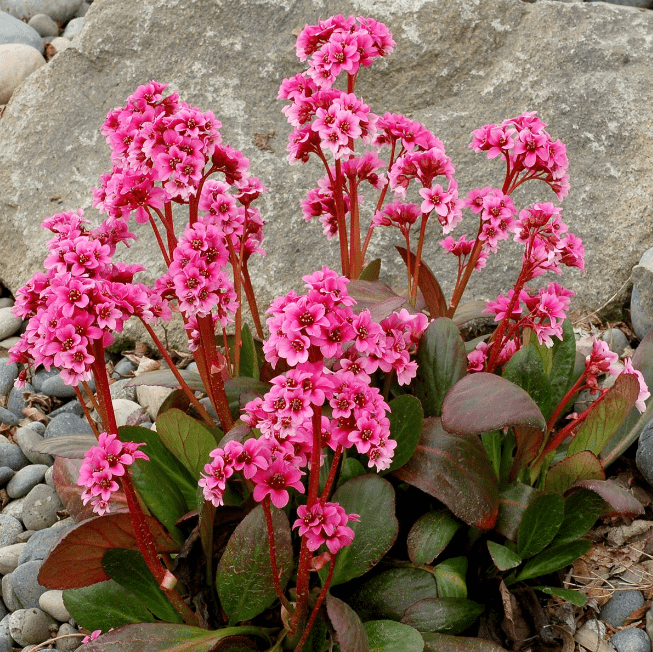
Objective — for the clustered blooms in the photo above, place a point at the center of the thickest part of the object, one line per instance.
(325, 523)
(305, 331)
(102, 464)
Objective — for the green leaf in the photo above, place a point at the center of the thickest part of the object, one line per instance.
(165, 378)
(372, 271)
(242, 386)
(620, 499)
(450, 578)
(492, 444)
(456, 470)
(187, 439)
(351, 469)
(442, 363)
(471, 406)
(350, 633)
(603, 421)
(582, 509)
(446, 615)
(526, 370)
(430, 535)
(128, 568)
(553, 559)
(105, 605)
(564, 357)
(390, 593)
(165, 637)
(579, 466)
(503, 558)
(406, 421)
(389, 636)
(244, 577)
(529, 441)
(513, 502)
(540, 523)
(248, 357)
(434, 642)
(575, 597)
(373, 499)
(429, 286)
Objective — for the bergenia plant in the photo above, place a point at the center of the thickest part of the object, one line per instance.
(266, 516)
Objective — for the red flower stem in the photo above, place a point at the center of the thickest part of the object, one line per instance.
(251, 299)
(170, 228)
(87, 414)
(578, 385)
(418, 259)
(316, 449)
(408, 261)
(469, 268)
(303, 570)
(159, 239)
(342, 223)
(273, 556)
(332, 473)
(355, 256)
(182, 383)
(318, 604)
(238, 343)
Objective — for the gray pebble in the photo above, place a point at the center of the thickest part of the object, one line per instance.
(192, 366)
(24, 537)
(16, 402)
(6, 474)
(120, 389)
(48, 477)
(9, 325)
(12, 456)
(10, 528)
(41, 507)
(30, 626)
(631, 639)
(73, 28)
(37, 426)
(3, 610)
(8, 375)
(61, 10)
(72, 407)
(8, 417)
(641, 301)
(6, 302)
(15, 508)
(67, 644)
(6, 642)
(44, 25)
(616, 339)
(27, 438)
(67, 424)
(52, 603)
(81, 12)
(25, 480)
(620, 606)
(55, 386)
(26, 586)
(124, 367)
(644, 456)
(9, 556)
(41, 543)
(8, 595)
(41, 376)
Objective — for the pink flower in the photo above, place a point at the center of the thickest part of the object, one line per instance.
(275, 482)
(643, 388)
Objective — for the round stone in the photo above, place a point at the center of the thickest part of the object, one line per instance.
(120, 389)
(41, 376)
(44, 25)
(25, 480)
(8, 375)
(631, 639)
(12, 457)
(6, 474)
(24, 581)
(71, 407)
(67, 644)
(48, 477)
(30, 626)
(13, 30)
(124, 368)
(67, 424)
(42, 542)
(61, 10)
(644, 456)
(15, 508)
(8, 323)
(123, 409)
(9, 556)
(620, 606)
(8, 417)
(59, 44)
(41, 507)
(8, 595)
(16, 402)
(10, 528)
(27, 438)
(6, 642)
(55, 386)
(152, 398)
(52, 603)
(73, 28)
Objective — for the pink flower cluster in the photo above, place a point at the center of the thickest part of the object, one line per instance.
(102, 464)
(325, 523)
(529, 151)
(82, 298)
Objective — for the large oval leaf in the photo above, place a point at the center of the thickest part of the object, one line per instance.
(621, 500)
(389, 594)
(159, 637)
(456, 470)
(389, 636)
(373, 499)
(445, 615)
(579, 466)
(430, 535)
(484, 402)
(406, 421)
(244, 577)
(434, 642)
(450, 577)
(553, 559)
(582, 509)
(526, 369)
(442, 363)
(350, 632)
(539, 524)
(513, 502)
(83, 547)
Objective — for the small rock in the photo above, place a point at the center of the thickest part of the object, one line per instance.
(24, 581)
(6, 642)
(52, 603)
(152, 397)
(6, 302)
(10, 528)
(17, 63)
(9, 342)
(72, 407)
(9, 556)
(59, 44)
(16, 402)
(8, 417)
(641, 302)
(9, 325)
(25, 480)
(81, 12)
(8, 375)
(44, 25)
(26, 439)
(67, 424)
(12, 456)
(6, 474)
(41, 543)
(8, 595)
(16, 31)
(41, 376)
(631, 639)
(48, 477)
(120, 389)
(67, 644)
(61, 10)
(124, 368)
(37, 426)
(620, 606)
(15, 508)
(55, 386)
(30, 626)
(24, 537)
(41, 507)
(73, 28)
(644, 456)
(123, 408)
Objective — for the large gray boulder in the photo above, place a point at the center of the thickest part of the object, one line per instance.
(457, 65)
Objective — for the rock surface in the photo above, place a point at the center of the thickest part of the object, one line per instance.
(457, 66)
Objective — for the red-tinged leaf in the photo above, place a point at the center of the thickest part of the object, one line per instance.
(484, 402)
(165, 378)
(580, 466)
(83, 547)
(456, 470)
(529, 441)
(470, 311)
(166, 637)
(64, 476)
(595, 432)
(513, 502)
(72, 447)
(380, 299)
(350, 632)
(389, 636)
(428, 284)
(434, 642)
(621, 500)
(372, 271)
